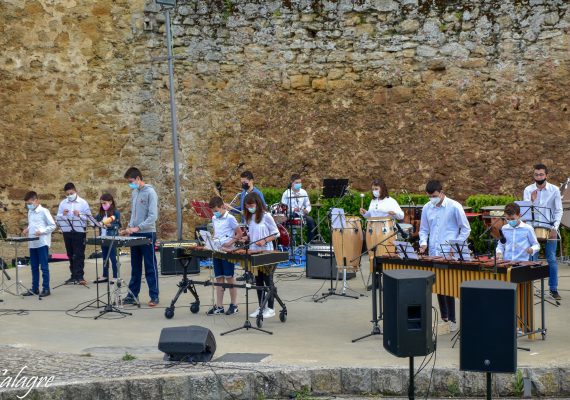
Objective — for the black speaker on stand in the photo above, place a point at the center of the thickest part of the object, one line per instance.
(408, 330)
(187, 343)
(488, 328)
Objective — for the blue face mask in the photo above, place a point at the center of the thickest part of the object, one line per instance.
(513, 223)
(217, 214)
(30, 206)
(434, 200)
(133, 185)
(297, 186)
(251, 209)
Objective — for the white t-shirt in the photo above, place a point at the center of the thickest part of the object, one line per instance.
(224, 227)
(382, 208)
(266, 227)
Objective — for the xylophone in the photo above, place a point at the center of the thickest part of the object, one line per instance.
(251, 261)
(450, 274)
(119, 241)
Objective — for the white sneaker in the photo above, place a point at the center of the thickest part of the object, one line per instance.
(452, 326)
(268, 313)
(254, 314)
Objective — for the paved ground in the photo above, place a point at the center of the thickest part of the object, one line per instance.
(315, 334)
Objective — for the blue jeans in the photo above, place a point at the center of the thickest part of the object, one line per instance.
(112, 254)
(146, 253)
(39, 257)
(550, 253)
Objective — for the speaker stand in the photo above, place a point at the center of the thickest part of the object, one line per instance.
(489, 386)
(376, 314)
(411, 388)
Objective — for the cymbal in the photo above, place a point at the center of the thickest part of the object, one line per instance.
(317, 205)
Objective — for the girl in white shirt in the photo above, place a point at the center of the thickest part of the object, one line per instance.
(262, 231)
(382, 205)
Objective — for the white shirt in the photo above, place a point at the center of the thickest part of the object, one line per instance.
(549, 213)
(441, 224)
(299, 200)
(40, 220)
(79, 223)
(519, 239)
(382, 208)
(266, 227)
(224, 227)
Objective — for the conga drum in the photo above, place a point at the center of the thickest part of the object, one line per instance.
(347, 243)
(493, 217)
(378, 230)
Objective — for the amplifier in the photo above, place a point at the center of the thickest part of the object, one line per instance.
(319, 264)
(170, 252)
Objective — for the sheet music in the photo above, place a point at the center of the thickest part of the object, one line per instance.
(526, 213)
(210, 242)
(338, 218)
(405, 250)
(454, 254)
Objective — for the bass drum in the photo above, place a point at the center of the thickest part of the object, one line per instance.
(284, 239)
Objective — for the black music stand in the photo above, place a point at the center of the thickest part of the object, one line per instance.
(96, 225)
(69, 223)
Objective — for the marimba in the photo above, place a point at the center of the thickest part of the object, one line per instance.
(450, 274)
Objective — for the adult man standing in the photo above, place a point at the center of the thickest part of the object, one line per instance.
(74, 210)
(547, 204)
(443, 219)
(144, 213)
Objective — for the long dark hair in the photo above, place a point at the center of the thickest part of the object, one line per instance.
(111, 210)
(260, 209)
(383, 188)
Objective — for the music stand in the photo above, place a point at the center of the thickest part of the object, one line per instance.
(404, 250)
(69, 223)
(334, 188)
(202, 209)
(457, 250)
(16, 242)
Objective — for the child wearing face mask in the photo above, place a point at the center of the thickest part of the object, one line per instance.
(382, 205)
(520, 241)
(262, 231)
(226, 231)
(110, 218)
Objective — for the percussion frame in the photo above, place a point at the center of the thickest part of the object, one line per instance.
(18, 284)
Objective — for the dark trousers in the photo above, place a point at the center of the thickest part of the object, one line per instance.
(263, 279)
(75, 249)
(310, 227)
(110, 252)
(138, 255)
(446, 307)
(39, 258)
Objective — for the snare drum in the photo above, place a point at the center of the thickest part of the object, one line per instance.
(279, 212)
(493, 216)
(378, 230)
(542, 234)
(347, 243)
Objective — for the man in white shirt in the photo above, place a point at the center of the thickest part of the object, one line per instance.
(298, 204)
(443, 219)
(546, 199)
(73, 210)
(40, 225)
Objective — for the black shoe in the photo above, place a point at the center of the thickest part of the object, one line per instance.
(241, 278)
(101, 280)
(130, 300)
(45, 293)
(555, 295)
(71, 281)
(31, 293)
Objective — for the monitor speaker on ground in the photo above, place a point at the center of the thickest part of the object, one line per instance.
(319, 264)
(488, 326)
(172, 259)
(408, 330)
(187, 343)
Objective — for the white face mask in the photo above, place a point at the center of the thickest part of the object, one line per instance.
(72, 197)
(434, 200)
(376, 193)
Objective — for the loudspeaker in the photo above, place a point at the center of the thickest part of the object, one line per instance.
(318, 262)
(488, 326)
(408, 330)
(172, 259)
(187, 343)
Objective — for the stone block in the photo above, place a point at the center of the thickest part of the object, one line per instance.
(325, 381)
(409, 26)
(300, 81)
(356, 380)
(389, 381)
(319, 83)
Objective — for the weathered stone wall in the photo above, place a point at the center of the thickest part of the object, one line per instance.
(471, 92)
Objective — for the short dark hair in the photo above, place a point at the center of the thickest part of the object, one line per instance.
(247, 175)
(512, 209)
(541, 166)
(31, 195)
(216, 201)
(433, 186)
(69, 186)
(133, 173)
(294, 177)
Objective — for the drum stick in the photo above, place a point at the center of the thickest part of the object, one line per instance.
(361, 200)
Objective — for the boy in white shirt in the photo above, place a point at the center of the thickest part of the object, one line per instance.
(226, 232)
(40, 225)
(520, 239)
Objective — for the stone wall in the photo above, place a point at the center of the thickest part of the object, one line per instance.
(472, 93)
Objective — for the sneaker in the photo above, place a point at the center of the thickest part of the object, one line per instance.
(555, 295)
(112, 281)
(45, 293)
(31, 293)
(232, 309)
(268, 313)
(153, 302)
(215, 311)
(130, 300)
(254, 314)
(452, 326)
